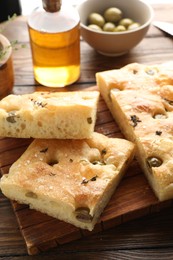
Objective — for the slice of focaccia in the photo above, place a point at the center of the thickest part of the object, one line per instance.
(49, 115)
(140, 98)
(71, 180)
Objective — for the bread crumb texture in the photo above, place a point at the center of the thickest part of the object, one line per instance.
(49, 115)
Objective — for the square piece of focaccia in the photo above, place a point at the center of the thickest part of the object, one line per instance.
(49, 115)
(140, 98)
(71, 180)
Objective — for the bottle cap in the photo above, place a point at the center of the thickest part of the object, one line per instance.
(51, 5)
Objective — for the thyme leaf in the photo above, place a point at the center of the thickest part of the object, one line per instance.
(44, 150)
(135, 120)
(85, 181)
(158, 132)
(3, 51)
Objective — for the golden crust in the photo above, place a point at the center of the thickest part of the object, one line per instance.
(49, 115)
(140, 98)
(62, 177)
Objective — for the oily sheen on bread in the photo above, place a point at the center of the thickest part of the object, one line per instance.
(140, 98)
(71, 180)
(49, 115)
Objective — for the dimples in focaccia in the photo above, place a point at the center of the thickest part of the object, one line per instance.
(71, 180)
(140, 98)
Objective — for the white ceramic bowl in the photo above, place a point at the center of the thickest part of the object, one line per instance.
(116, 43)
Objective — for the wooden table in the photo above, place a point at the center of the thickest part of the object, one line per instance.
(148, 237)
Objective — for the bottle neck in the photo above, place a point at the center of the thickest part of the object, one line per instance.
(61, 21)
(51, 6)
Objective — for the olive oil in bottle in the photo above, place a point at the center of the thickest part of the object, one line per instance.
(55, 44)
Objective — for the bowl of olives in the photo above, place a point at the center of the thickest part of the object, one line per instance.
(114, 27)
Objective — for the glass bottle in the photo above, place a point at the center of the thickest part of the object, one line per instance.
(54, 32)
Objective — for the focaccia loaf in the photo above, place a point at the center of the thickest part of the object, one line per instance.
(71, 180)
(140, 98)
(49, 115)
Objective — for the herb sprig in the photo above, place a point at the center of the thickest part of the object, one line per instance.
(13, 44)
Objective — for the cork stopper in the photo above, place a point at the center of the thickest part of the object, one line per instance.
(51, 5)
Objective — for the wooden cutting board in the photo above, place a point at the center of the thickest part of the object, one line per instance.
(132, 199)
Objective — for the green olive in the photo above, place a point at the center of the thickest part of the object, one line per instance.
(154, 162)
(95, 27)
(112, 14)
(109, 27)
(95, 18)
(133, 26)
(111, 21)
(126, 22)
(120, 28)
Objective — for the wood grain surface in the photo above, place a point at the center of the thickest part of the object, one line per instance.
(132, 199)
(149, 236)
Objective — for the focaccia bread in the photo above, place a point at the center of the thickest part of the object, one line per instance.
(71, 180)
(49, 115)
(140, 98)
